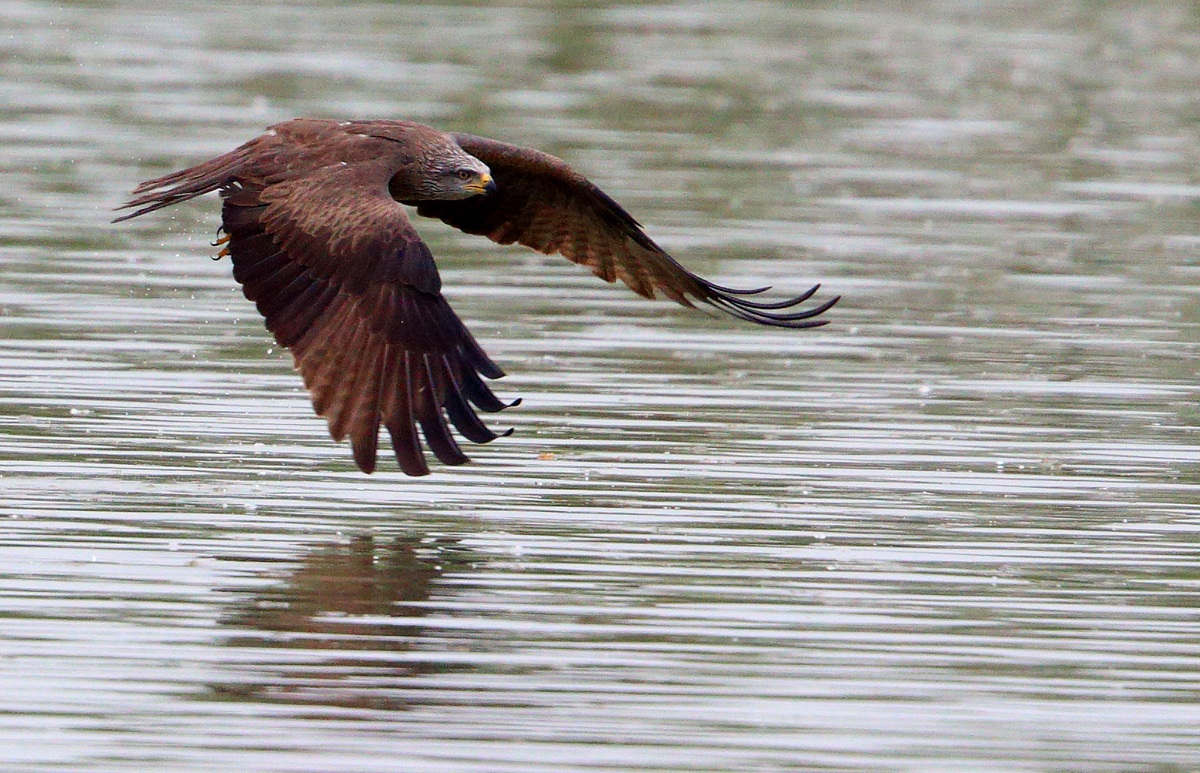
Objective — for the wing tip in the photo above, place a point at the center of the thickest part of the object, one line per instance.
(734, 302)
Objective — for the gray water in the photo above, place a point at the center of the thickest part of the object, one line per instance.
(955, 530)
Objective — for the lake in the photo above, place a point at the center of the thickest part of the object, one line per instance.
(957, 529)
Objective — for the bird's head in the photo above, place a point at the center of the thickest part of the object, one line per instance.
(456, 175)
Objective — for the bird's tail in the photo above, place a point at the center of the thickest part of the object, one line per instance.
(187, 184)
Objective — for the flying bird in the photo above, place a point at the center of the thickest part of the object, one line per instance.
(312, 221)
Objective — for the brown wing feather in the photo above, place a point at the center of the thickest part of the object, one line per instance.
(343, 280)
(542, 203)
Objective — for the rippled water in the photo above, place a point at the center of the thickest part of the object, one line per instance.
(956, 529)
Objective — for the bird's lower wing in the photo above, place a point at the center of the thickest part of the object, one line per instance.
(344, 281)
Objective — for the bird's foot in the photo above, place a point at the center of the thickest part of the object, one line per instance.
(221, 239)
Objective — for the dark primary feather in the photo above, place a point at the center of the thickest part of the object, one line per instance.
(320, 244)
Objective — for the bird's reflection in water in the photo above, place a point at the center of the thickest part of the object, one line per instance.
(336, 625)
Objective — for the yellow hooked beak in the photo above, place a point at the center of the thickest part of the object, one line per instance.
(485, 184)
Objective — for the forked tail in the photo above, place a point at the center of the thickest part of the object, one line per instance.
(187, 184)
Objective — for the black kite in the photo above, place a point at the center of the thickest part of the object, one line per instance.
(320, 244)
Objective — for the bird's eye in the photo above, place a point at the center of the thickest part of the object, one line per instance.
(464, 174)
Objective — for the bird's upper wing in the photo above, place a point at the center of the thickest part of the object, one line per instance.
(543, 203)
(344, 281)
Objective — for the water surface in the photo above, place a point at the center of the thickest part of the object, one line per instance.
(956, 529)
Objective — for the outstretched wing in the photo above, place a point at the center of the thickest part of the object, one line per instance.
(543, 203)
(344, 281)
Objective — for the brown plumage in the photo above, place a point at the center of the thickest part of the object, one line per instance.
(320, 244)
